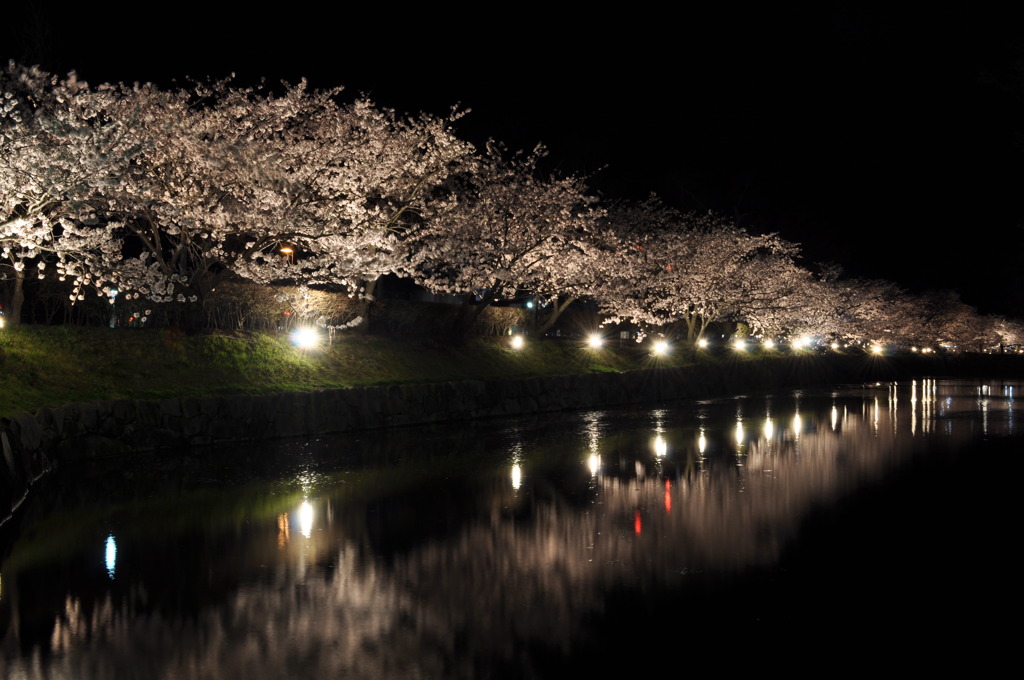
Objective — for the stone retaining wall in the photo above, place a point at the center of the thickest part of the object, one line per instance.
(34, 443)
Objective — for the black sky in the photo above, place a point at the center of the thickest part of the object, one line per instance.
(886, 139)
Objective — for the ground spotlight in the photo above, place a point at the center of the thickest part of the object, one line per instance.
(595, 340)
(305, 338)
(517, 342)
(661, 347)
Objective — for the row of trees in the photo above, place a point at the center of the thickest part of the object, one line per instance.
(162, 195)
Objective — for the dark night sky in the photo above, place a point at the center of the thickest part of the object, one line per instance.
(889, 141)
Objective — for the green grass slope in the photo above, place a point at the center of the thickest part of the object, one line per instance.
(55, 365)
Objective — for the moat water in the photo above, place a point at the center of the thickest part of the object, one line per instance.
(869, 526)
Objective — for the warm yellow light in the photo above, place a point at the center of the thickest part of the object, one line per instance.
(740, 344)
(661, 347)
(769, 343)
(306, 518)
(595, 340)
(517, 342)
(702, 343)
(876, 349)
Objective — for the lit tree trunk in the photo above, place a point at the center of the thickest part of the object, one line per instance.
(13, 315)
(365, 305)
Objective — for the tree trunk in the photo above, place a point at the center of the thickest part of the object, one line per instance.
(365, 306)
(13, 315)
(467, 316)
(553, 316)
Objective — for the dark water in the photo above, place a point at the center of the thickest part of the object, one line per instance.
(866, 527)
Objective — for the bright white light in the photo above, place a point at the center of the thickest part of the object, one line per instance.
(306, 518)
(304, 338)
(801, 342)
(769, 343)
(661, 347)
(1, 322)
(702, 343)
(660, 447)
(594, 463)
(702, 442)
(595, 340)
(740, 344)
(769, 428)
(517, 476)
(517, 342)
(111, 555)
(835, 345)
(876, 349)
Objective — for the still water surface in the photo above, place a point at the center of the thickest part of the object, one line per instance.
(868, 525)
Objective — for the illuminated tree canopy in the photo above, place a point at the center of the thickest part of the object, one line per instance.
(160, 195)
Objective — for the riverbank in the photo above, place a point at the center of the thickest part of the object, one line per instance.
(214, 393)
(50, 366)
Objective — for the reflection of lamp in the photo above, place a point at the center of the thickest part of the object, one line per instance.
(110, 556)
(289, 253)
(306, 518)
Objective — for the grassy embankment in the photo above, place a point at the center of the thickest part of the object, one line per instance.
(55, 365)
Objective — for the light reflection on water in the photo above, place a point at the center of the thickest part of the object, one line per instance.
(518, 548)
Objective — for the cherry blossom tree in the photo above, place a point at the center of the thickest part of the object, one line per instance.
(230, 178)
(692, 270)
(510, 228)
(1006, 332)
(57, 150)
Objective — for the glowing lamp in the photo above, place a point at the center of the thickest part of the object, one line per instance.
(305, 337)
